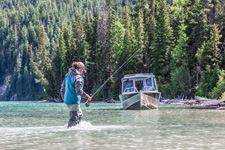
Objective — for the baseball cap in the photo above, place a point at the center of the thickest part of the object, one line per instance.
(81, 65)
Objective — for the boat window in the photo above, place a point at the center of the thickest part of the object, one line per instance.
(149, 82)
(139, 85)
(150, 85)
(128, 86)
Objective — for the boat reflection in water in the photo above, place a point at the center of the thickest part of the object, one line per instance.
(139, 91)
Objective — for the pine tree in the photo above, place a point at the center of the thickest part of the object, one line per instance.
(108, 61)
(42, 65)
(62, 54)
(149, 29)
(127, 41)
(57, 70)
(180, 53)
(91, 32)
(208, 54)
(139, 8)
(67, 61)
(209, 60)
(180, 80)
(163, 42)
(197, 30)
(139, 43)
(77, 35)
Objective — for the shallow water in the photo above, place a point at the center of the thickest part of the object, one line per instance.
(27, 125)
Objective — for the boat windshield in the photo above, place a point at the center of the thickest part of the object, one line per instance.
(150, 85)
(128, 86)
(149, 82)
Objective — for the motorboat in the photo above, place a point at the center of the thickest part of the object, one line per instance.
(139, 91)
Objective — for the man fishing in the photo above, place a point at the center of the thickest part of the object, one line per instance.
(72, 91)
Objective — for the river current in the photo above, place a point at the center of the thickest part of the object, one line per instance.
(28, 125)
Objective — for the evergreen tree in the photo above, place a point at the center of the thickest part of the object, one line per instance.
(77, 35)
(208, 54)
(149, 29)
(42, 65)
(91, 32)
(57, 70)
(67, 60)
(108, 61)
(180, 71)
(62, 54)
(197, 31)
(137, 62)
(127, 41)
(209, 59)
(163, 43)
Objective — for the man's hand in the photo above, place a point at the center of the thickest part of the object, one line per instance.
(89, 98)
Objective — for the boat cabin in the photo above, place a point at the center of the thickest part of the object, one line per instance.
(134, 83)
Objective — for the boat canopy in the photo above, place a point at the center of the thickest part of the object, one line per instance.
(133, 83)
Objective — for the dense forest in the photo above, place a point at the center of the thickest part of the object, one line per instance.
(182, 43)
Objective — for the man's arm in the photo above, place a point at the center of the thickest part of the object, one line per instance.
(62, 90)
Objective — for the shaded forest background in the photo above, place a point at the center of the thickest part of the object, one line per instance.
(182, 43)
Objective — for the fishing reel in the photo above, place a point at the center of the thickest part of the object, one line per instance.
(87, 104)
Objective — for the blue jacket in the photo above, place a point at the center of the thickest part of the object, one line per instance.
(72, 87)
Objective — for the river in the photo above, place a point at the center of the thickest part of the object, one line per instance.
(28, 125)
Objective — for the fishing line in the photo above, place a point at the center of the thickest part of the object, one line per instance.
(128, 60)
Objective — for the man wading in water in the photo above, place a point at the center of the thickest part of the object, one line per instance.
(72, 91)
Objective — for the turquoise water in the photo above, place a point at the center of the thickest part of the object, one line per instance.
(27, 125)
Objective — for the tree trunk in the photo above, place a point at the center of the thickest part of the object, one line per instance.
(188, 72)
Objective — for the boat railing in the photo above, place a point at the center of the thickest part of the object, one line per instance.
(130, 90)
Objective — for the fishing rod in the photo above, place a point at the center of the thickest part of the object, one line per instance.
(128, 60)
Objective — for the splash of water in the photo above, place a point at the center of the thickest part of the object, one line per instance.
(83, 126)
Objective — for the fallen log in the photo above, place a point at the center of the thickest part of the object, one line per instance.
(208, 103)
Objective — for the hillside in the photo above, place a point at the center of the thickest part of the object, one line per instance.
(182, 43)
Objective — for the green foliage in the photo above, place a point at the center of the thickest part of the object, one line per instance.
(43, 63)
(180, 40)
(208, 81)
(179, 54)
(208, 54)
(218, 90)
(179, 83)
(223, 96)
(163, 43)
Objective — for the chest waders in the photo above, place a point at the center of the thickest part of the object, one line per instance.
(75, 115)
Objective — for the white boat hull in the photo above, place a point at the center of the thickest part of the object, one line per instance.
(140, 100)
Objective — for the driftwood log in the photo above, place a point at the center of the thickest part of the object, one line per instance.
(207, 103)
(198, 102)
